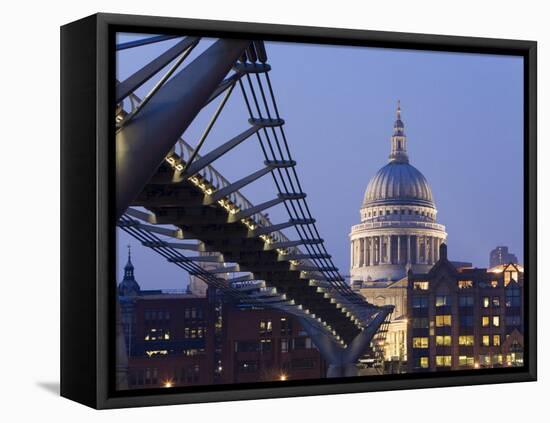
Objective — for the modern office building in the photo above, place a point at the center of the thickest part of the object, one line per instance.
(465, 318)
(501, 255)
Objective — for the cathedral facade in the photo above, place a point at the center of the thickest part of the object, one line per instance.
(398, 232)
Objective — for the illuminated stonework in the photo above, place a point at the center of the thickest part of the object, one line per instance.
(398, 232)
(398, 228)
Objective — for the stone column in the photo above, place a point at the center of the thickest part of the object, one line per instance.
(380, 253)
(390, 258)
(371, 250)
(408, 249)
(417, 249)
(398, 249)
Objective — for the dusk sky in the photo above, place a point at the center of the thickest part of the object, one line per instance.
(463, 116)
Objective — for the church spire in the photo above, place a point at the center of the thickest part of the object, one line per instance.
(129, 285)
(398, 139)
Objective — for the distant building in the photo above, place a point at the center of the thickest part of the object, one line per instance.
(465, 318)
(182, 339)
(501, 255)
(398, 231)
(267, 345)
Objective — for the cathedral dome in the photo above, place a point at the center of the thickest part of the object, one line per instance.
(398, 183)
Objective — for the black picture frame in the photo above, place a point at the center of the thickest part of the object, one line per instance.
(87, 224)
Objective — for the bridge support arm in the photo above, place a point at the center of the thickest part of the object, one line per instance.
(144, 142)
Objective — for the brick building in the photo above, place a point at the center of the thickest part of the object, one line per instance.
(465, 318)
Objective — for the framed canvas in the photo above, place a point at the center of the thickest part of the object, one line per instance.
(258, 211)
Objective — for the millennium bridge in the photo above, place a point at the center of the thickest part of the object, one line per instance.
(170, 197)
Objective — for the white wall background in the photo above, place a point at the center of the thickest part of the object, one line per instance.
(29, 271)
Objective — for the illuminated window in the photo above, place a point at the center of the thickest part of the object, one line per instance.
(485, 321)
(497, 359)
(496, 340)
(466, 340)
(485, 302)
(465, 284)
(485, 340)
(496, 301)
(420, 342)
(464, 360)
(156, 353)
(266, 327)
(443, 300)
(424, 362)
(421, 285)
(443, 360)
(485, 360)
(465, 301)
(443, 320)
(509, 276)
(443, 341)
(496, 321)
(494, 284)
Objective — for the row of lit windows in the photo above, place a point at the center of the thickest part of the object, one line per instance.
(388, 212)
(513, 299)
(485, 360)
(463, 340)
(465, 284)
(157, 335)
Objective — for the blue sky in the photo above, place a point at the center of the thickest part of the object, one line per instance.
(463, 116)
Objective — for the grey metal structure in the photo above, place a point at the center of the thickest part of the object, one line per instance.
(171, 198)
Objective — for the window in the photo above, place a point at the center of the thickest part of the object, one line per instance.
(419, 302)
(509, 276)
(420, 323)
(485, 321)
(465, 284)
(157, 335)
(496, 321)
(466, 340)
(513, 320)
(494, 284)
(286, 326)
(497, 359)
(464, 360)
(496, 301)
(466, 321)
(485, 340)
(465, 301)
(485, 302)
(496, 340)
(265, 345)
(424, 362)
(512, 297)
(443, 341)
(266, 327)
(421, 285)
(302, 363)
(284, 345)
(420, 342)
(443, 320)
(443, 360)
(443, 300)
(246, 346)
